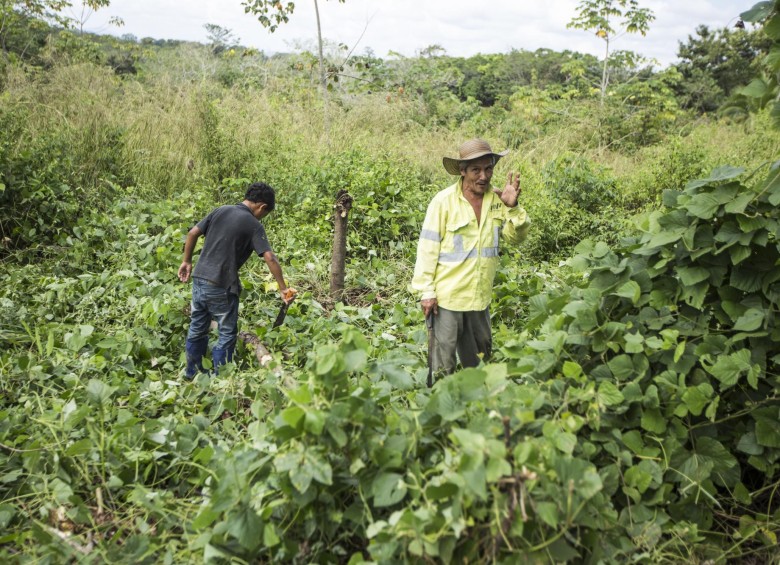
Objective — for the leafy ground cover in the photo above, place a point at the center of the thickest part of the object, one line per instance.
(630, 413)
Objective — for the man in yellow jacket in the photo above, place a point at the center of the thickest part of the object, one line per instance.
(457, 255)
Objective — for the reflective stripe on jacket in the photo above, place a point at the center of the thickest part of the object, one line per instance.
(457, 257)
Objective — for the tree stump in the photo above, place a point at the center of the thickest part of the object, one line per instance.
(337, 267)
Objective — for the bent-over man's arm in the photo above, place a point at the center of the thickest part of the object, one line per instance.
(185, 270)
(276, 270)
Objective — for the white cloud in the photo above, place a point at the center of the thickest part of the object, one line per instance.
(462, 27)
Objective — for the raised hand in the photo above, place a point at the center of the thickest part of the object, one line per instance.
(511, 191)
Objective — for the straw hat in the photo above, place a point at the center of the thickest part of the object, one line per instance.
(468, 151)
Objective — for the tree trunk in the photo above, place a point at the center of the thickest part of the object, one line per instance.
(605, 73)
(337, 266)
(323, 81)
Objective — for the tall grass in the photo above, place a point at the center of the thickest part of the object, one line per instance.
(190, 121)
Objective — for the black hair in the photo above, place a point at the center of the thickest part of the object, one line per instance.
(261, 192)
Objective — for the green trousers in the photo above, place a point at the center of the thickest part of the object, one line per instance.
(464, 335)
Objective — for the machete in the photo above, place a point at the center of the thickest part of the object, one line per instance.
(429, 323)
(288, 294)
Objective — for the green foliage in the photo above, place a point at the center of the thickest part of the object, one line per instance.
(599, 16)
(578, 200)
(37, 200)
(672, 340)
(665, 167)
(761, 91)
(715, 63)
(629, 414)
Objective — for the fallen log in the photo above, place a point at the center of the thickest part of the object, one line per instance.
(252, 341)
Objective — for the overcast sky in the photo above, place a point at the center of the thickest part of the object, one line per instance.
(462, 27)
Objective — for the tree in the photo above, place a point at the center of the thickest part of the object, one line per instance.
(19, 17)
(600, 16)
(271, 13)
(89, 7)
(16, 15)
(764, 89)
(220, 38)
(714, 63)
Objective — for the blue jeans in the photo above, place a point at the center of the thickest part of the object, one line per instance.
(211, 302)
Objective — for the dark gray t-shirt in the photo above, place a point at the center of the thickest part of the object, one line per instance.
(231, 232)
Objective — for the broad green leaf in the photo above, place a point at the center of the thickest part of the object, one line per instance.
(572, 370)
(270, 537)
(621, 366)
(301, 477)
(740, 203)
(631, 291)
(634, 343)
(767, 433)
(703, 206)
(692, 275)
(440, 491)
(388, 489)
(717, 176)
(7, 512)
(638, 478)
(745, 278)
(355, 360)
(319, 467)
(609, 394)
(750, 320)
(758, 12)
(590, 484)
(565, 441)
(633, 440)
(314, 421)
(697, 397)
(80, 447)
(728, 368)
(712, 448)
(757, 88)
(246, 526)
(694, 469)
(548, 513)
(695, 295)
(375, 528)
(664, 238)
(99, 392)
(712, 409)
(205, 518)
(560, 551)
(772, 27)
(61, 491)
(396, 374)
(292, 416)
(748, 443)
(771, 184)
(328, 359)
(742, 494)
(739, 253)
(653, 421)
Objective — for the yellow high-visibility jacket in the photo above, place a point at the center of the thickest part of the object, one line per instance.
(457, 257)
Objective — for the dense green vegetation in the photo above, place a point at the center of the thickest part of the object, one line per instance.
(630, 412)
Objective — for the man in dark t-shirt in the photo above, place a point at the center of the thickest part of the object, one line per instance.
(232, 233)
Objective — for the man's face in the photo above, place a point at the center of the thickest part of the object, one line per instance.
(476, 174)
(261, 211)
